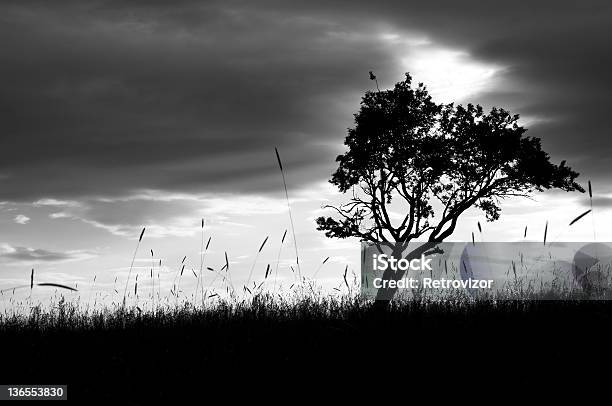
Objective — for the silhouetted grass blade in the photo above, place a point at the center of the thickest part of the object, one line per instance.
(132, 264)
(280, 164)
(297, 257)
(263, 243)
(579, 217)
(56, 285)
(320, 266)
(344, 277)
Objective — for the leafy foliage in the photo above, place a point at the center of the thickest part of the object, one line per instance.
(405, 146)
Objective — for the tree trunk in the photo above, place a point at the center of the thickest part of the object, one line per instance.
(385, 295)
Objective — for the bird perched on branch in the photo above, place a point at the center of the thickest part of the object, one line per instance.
(373, 77)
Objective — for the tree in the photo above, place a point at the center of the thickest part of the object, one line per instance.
(434, 162)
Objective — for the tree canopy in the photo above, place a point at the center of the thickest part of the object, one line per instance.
(438, 160)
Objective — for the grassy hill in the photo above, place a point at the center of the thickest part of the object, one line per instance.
(306, 344)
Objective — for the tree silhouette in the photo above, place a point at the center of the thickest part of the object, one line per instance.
(432, 162)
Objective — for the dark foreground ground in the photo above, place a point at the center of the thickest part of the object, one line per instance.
(344, 350)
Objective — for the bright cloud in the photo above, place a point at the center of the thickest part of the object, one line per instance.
(12, 253)
(21, 219)
(450, 75)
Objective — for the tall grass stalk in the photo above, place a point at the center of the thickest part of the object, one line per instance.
(152, 281)
(297, 257)
(31, 284)
(319, 268)
(204, 292)
(132, 265)
(93, 284)
(229, 275)
(159, 282)
(593, 215)
(278, 259)
(201, 277)
(579, 217)
(255, 260)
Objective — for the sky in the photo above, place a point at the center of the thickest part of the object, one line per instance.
(123, 115)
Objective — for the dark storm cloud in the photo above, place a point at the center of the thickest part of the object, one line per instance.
(557, 57)
(101, 98)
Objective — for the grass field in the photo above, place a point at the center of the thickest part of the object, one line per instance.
(347, 345)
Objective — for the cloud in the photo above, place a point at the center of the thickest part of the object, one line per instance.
(21, 219)
(145, 97)
(192, 97)
(59, 215)
(56, 203)
(603, 202)
(165, 214)
(25, 254)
